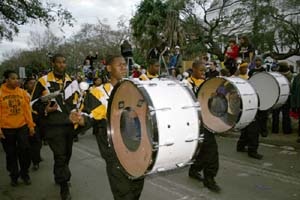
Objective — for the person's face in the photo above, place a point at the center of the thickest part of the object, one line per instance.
(98, 82)
(118, 68)
(12, 81)
(231, 44)
(242, 41)
(258, 63)
(154, 69)
(177, 51)
(30, 85)
(212, 66)
(59, 65)
(198, 73)
(87, 62)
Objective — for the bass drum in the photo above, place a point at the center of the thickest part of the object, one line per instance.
(153, 125)
(272, 88)
(227, 103)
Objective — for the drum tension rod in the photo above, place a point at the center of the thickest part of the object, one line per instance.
(159, 109)
(156, 145)
(188, 107)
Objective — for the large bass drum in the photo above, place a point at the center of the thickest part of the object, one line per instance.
(227, 103)
(153, 125)
(272, 88)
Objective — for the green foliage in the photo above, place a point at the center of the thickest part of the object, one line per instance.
(14, 13)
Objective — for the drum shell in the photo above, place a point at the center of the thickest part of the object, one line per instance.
(273, 89)
(176, 115)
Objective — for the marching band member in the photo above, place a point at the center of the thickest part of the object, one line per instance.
(95, 105)
(59, 131)
(152, 71)
(208, 157)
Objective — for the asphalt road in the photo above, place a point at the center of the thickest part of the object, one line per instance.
(276, 177)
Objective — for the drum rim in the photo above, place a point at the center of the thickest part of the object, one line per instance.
(239, 94)
(154, 128)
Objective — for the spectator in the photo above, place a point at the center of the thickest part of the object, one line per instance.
(246, 51)
(175, 62)
(213, 72)
(231, 54)
(15, 125)
(91, 58)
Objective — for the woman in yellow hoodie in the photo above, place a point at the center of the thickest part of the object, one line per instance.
(15, 125)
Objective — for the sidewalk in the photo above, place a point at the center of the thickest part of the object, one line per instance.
(279, 139)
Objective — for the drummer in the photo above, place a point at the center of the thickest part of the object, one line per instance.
(152, 71)
(208, 157)
(95, 105)
(250, 134)
(243, 69)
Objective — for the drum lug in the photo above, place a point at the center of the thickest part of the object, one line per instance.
(188, 107)
(196, 139)
(152, 110)
(156, 145)
(180, 165)
(160, 169)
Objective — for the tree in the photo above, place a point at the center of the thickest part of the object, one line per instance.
(14, 13)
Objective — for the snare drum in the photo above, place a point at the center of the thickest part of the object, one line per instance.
(272, 88)
(153, 125)
(227, 103)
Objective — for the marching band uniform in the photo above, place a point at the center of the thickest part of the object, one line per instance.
(59, 131)
(208, 156)
(95, 104)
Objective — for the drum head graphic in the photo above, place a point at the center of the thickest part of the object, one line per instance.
(128, 118)
(267, 88)
(220, 103)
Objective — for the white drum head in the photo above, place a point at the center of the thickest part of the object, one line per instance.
(268, 88)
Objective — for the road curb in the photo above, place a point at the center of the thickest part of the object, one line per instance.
(266, 140)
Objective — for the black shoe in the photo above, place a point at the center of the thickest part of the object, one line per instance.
(14, 182)
(26, 180)
(35, 167)
(65, 192)
(264, 133)
(196, 175)
(241, 149)
(211, 184)
(76, 139)
(255, 155)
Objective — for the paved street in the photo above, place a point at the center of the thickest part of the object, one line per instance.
(276, 177)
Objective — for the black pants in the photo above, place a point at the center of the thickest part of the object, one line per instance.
(35, 147)
(208, 156)
(250, 137)
(286, 120)
(17, 149)
(121, 186)
(262, 118)
(60, 140)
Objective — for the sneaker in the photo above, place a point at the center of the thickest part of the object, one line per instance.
(14, 182)
(195, 175)
(211, 184)
(255, 155)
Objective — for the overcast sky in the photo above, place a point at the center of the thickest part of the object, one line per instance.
(84, 11)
